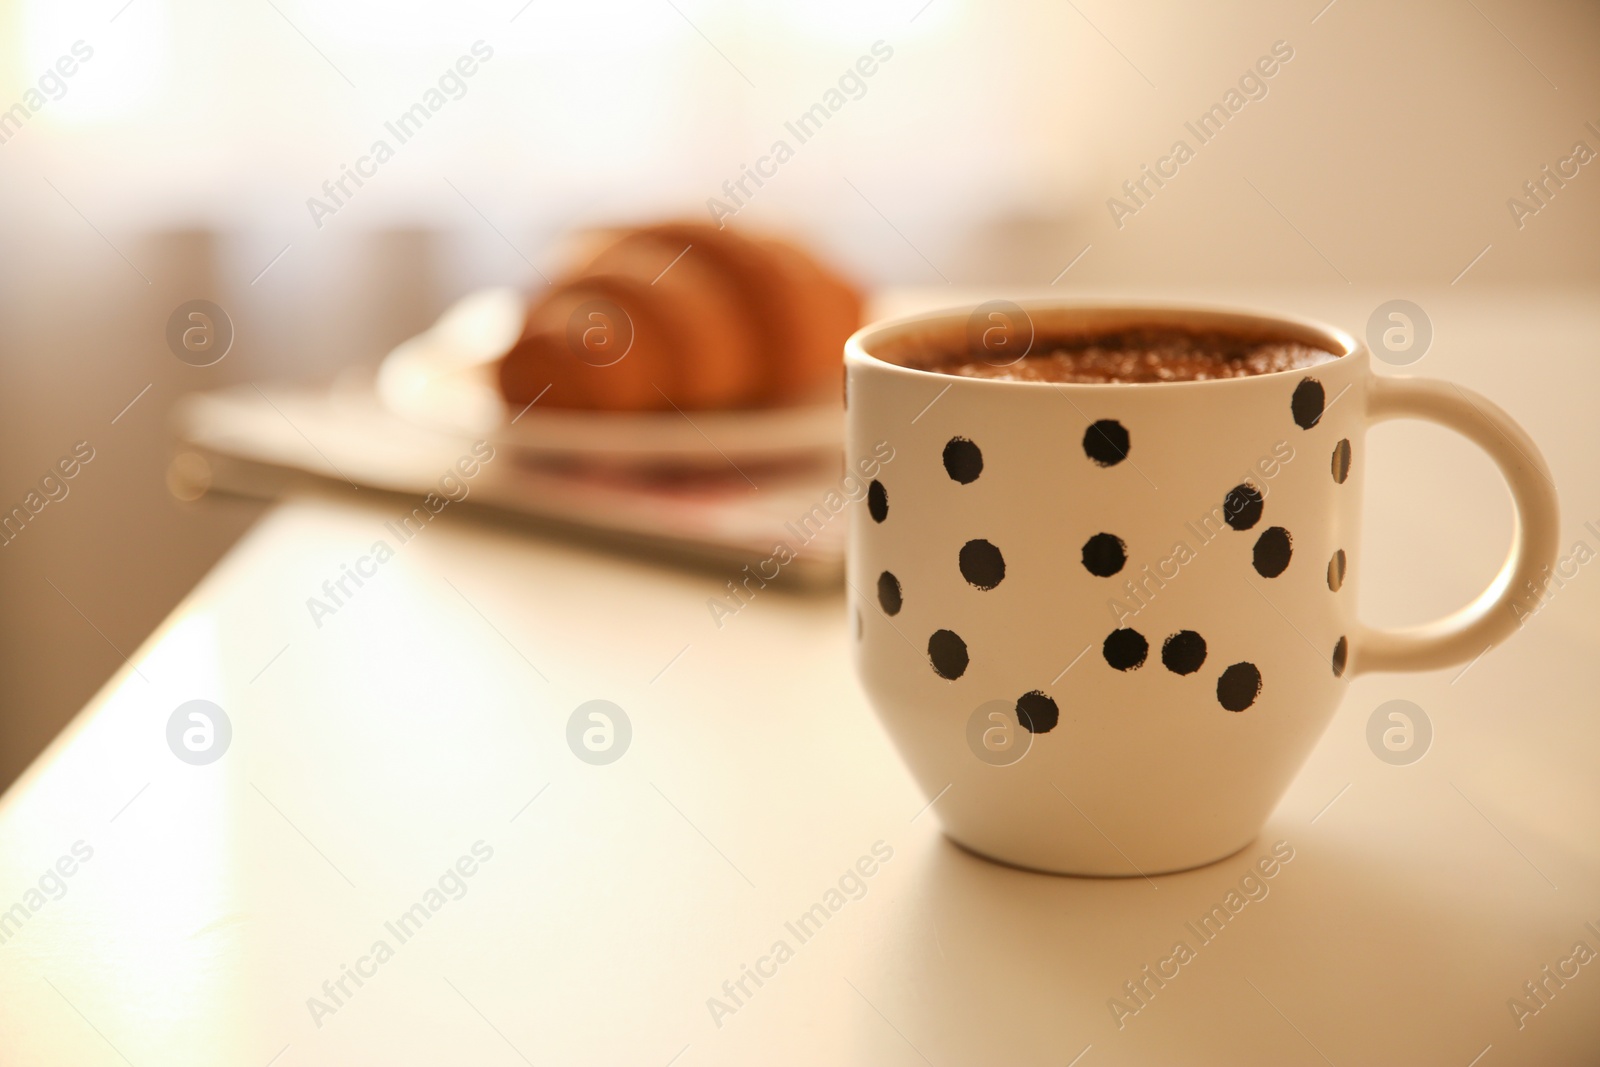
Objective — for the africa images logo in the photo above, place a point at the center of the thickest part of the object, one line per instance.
(451, 85)
(451, 885)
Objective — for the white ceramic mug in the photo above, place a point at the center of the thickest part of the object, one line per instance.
(1106, 623)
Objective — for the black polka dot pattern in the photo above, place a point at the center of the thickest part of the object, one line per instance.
(1306, 405)
(1184, 652)
(963, 460)
(1106, 442)
(1037, 713)
(1125, 649)
(1242, 507)
(1341, 460)
(1341, 655)
(1336, 571)
(1239, 686)
(877, 501)
(948, 654)
(889, 593)
(1272, 552)
(1104, 555)
(982, 565)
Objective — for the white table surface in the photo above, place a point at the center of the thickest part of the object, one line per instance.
(429, 714)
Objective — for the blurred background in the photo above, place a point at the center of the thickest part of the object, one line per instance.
(177, 158)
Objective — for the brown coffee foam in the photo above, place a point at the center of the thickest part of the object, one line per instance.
(1131, 353)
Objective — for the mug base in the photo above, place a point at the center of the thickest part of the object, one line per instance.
(1070, 869)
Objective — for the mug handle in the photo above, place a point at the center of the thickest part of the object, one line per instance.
(1474, 629)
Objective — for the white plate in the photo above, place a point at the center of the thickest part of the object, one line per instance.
(444, 379)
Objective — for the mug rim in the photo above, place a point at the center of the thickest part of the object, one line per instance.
(1346, 347)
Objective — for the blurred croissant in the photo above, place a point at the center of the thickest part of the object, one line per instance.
(684, 315)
